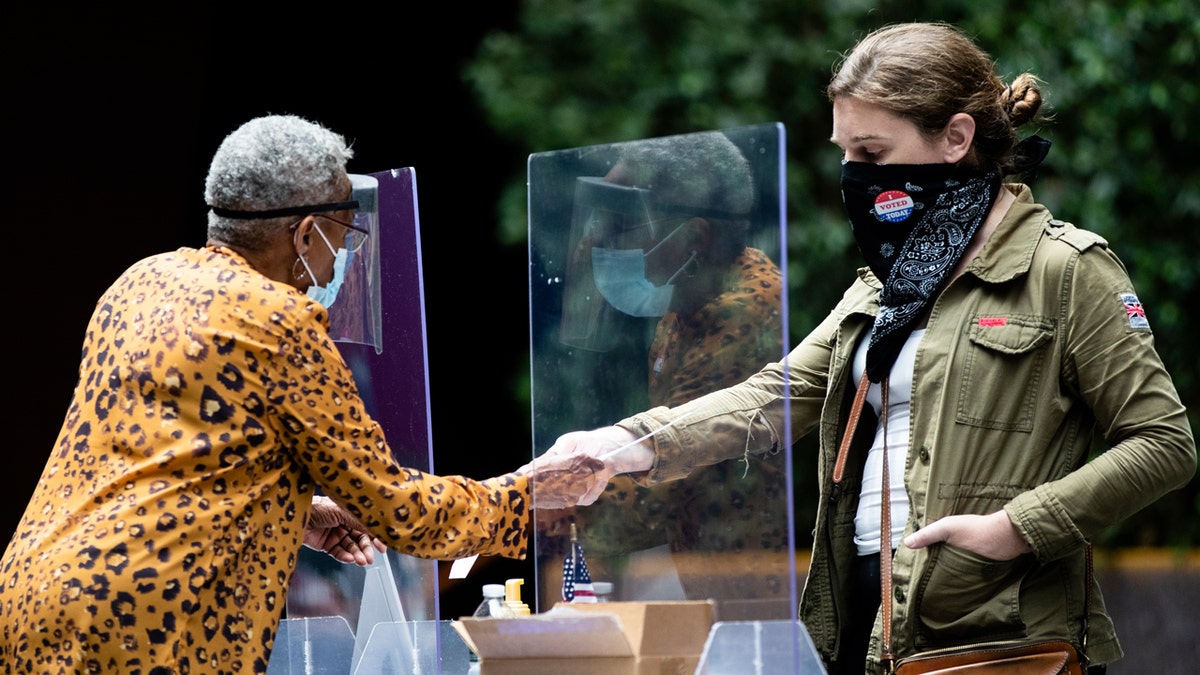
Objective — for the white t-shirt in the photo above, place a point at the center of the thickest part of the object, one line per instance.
(866, 521)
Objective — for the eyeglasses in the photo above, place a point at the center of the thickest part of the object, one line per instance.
(356, 236)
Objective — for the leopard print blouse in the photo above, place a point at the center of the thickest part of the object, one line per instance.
(165, 528)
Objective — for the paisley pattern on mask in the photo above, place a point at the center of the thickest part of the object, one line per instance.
(951, 203)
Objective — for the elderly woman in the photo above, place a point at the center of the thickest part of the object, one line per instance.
(211, 404)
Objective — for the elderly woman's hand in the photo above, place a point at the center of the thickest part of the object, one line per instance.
(332, 529)
(575, 470)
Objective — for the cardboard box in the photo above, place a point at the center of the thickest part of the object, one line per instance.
(614, 638)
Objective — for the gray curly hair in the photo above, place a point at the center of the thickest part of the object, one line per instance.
(272, 162)
(702, 169)
(705, 170)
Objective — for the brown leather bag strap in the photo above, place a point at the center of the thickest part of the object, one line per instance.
(839, 467)
(885, 537)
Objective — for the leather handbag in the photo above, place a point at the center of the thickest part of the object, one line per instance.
(1048, 657)
(1051, 657)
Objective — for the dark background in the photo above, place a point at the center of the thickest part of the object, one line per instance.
(111, 116)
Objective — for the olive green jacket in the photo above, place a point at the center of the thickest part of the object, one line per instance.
(1039, 345)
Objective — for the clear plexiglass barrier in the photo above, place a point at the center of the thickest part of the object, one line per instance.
(657, 274)
(378, 322)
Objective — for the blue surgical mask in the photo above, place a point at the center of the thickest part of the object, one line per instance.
(620, 276)
(327, 294)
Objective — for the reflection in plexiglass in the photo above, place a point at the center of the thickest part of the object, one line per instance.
(657, 275)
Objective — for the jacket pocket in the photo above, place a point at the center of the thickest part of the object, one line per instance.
(964, 596)
(1003, 371)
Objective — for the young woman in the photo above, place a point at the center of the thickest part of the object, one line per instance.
(211, 405)
(1003, 338)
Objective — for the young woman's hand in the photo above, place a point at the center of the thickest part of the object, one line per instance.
(575, 470)
(992, 536)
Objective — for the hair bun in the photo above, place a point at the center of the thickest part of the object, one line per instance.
(1021, 99)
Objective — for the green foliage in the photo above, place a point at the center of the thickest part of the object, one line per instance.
(1122, 85)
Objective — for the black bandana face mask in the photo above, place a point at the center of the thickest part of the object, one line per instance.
(912, 223)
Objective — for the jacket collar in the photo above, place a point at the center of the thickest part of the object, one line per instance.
(1009, 252)
(868, 277)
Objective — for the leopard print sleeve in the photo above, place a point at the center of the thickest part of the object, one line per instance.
(320, 419)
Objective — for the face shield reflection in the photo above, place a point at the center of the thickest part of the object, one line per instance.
(356, 316)
(605, 217)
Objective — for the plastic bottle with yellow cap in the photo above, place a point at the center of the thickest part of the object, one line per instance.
(512, 597)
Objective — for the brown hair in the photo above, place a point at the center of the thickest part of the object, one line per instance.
(926, 73)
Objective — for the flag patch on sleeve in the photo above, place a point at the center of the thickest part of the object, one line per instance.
(1134, 311)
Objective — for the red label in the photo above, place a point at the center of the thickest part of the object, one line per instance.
(993, 321)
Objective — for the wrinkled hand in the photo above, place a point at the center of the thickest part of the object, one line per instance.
(992, 536)
(332, 529)
(563, 481)
(575, 470)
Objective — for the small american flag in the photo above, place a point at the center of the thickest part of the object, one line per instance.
(576, 581)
